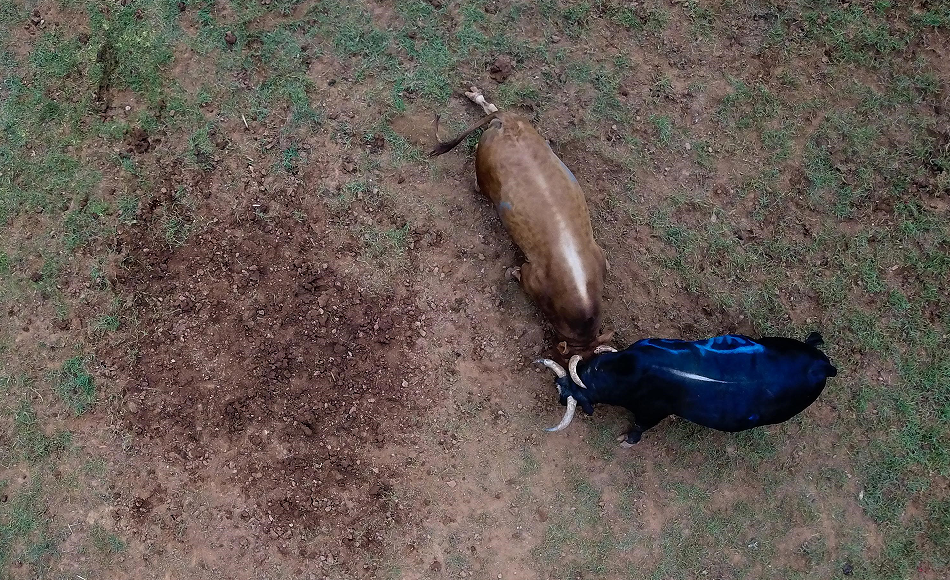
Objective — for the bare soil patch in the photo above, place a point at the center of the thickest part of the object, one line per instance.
(272, 377)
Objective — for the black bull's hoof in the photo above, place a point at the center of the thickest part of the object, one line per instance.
(630, 439)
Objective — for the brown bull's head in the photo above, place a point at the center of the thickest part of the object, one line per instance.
(583, 346)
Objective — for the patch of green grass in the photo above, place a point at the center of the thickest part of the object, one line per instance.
(47, 100)
(177, 218)
(623, 15)
(105, 542)
(662, 88)
(937, 17)
(576, 18)
(778, 142)
(604, 437)
(579, 71)
(280, 52)
(132, 52)
(678, 550)
(127, 207)
(938, 529)
(381, 243)
(354, 36)
(757, 445)
(430, 78)
(901, 555)
(529, 463)
(401, 151)
(25, 534)
(518, 94)
(128, 164)
(30, 442)
(700, 18)
(12, 13)
(747, 106)
(75, 385)
(201, 150)
(851, 157)
(290, 157)
(763, 187)
(54, 56)
(85, 223)
(175, 230)
(913, 89)
(765, 310)
(106, 323)
(657, 19)
(31, 184)
(688, 493)
(664, 129)
(98, 276)
(702, 151)
(606, 82)
(855, 34)
(577, 539)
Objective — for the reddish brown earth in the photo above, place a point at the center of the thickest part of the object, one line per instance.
(295, 397)
(269, 377)
(331, 377)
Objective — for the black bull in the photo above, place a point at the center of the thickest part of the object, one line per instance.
(730, 383)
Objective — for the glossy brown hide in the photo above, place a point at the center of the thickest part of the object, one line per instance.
(543, 208)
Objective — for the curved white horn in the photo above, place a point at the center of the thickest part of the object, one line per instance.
(572, 368)
(555, 368)
(604, 348)
(568, 415)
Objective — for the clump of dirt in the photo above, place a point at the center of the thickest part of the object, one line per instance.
(138, 141)
(270, 371)
(501, 69)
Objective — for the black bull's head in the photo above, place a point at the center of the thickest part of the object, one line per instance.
(567, 383)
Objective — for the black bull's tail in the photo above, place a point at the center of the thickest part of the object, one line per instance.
(446, 146)
(814, 339)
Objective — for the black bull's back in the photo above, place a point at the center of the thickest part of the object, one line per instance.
(730, 383)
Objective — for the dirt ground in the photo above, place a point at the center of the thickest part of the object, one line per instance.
(324, 373)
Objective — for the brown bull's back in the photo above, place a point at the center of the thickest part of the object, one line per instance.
(543, 209)
(536, 196)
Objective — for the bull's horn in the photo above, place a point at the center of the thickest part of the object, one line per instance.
(604, 348)
(568, 415)
(555, 368)
(572, 368)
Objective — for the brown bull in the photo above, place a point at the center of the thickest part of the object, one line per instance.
(543, 208)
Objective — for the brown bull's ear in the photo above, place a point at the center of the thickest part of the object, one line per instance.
(562, 347)
(605, 338)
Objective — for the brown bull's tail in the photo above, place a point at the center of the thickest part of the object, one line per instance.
(446, 146)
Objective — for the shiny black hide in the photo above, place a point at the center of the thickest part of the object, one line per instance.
(730, 383)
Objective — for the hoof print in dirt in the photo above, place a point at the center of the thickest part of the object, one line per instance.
(138, 141)
(501, 69)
